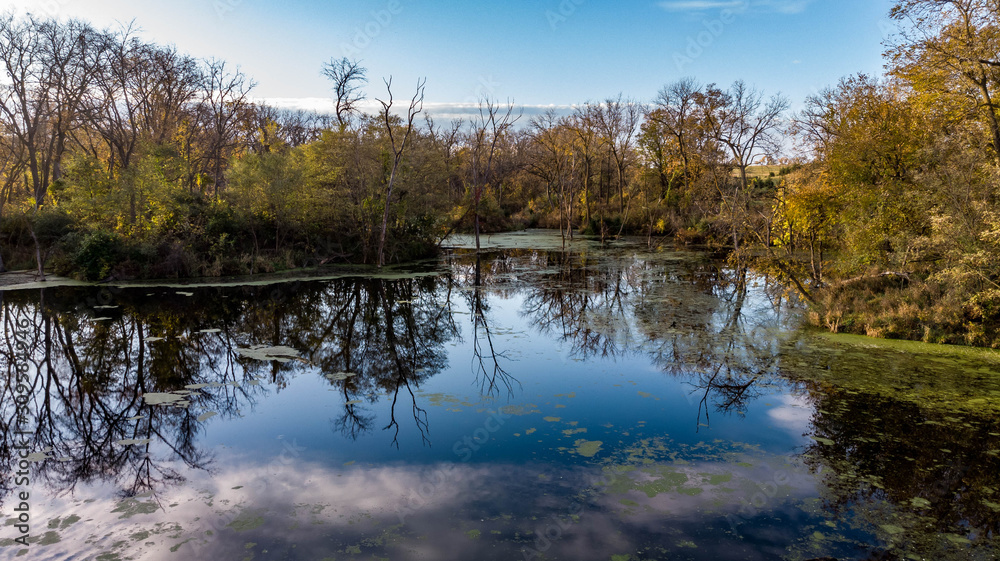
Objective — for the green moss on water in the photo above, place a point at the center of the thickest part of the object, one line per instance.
(938, 378)
(665, 480)
(473, 534)
(246, 522)
(720, 478)
(131, 507)
(588, 448)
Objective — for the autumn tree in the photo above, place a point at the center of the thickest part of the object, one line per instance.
(618, 121)
(48, 69)
(949, 52)
(485, 138)
(224, 101)
(555, 163)
(748, 127)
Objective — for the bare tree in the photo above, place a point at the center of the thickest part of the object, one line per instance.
(116, 105)
(398, 144)
(348, 77)
(487, 131)
(47, 69)
(618, 120)
(555, 163)
(588, 143)
(748, 126)
(225, 99)
(677, 105)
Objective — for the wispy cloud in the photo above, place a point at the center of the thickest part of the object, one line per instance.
(773, 6)
(442, 111)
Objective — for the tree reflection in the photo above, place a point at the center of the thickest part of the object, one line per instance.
(92, 363)
(921, 479)
(96, 353)
(689, 315)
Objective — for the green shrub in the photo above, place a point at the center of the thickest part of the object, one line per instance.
(97, 254)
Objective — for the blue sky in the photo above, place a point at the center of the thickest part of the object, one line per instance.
(538, 53)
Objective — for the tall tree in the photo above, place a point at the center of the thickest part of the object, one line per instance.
(397, 142)
(675, 111)
(48, 67)
(348, 77)
(618, 120)
(950, 49)
(488, 130)
(225, 99)
(748, 126)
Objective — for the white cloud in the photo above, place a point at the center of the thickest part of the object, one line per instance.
(794, 414)
(442, 111)
(773, 6)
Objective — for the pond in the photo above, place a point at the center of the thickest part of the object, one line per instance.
(588, 403)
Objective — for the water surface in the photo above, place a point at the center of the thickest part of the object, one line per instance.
(588, 403)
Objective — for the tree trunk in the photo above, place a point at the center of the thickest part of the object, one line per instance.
(992, 115)
(385, 216)
(38, 255)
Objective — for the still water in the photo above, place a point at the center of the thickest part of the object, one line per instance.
(589, 403)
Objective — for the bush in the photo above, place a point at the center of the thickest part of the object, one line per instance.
(98, 254)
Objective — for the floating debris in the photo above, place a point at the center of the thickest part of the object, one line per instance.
(166, 399)
(206, 416)
(38, 457)
(264, 353)
(134, 441)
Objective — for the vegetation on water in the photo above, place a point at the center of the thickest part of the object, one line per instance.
(899, 463)
(120, 158)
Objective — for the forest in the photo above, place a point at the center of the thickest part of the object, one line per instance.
(877, 202)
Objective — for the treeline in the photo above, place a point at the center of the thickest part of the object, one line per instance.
(128, 159)
(896, 213)
(121, 158)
